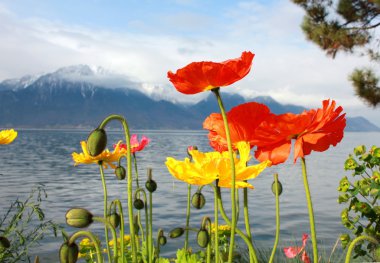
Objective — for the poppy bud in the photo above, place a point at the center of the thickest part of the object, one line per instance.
(68, 253)
(176, 232)
(198, 200)
(4, 243)
(138, 204)
(114, 219)
(78, 217)
(202, 238)
(120, 172)
(150, 185)
(162, 240)
(96, 142)
(279, 185)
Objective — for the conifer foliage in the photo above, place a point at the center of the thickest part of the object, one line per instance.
(348, 26)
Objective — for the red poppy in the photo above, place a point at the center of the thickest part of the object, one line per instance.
(242, 122)
(136, 146)
(313, 130)
(206, 75)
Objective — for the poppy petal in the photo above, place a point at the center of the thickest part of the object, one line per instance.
(206, 75)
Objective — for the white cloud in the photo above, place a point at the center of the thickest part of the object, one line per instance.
(286, 66)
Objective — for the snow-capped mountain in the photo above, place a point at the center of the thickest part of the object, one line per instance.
(81, 96)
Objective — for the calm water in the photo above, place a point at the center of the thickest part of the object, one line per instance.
(45, 157)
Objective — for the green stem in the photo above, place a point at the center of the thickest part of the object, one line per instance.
(277, 218)
(136, 170)
(311, 212)
(92, 238)
(114, 236)
(150, 236)
(246, 214)
(216, 225)
(129, 179)
(158, 250)
(146, 221)
(138, 186)
(252, 253)
(105, 209)
(206, 221)
(233, 174)
(354, 242)
(187, 215)
(120, 208)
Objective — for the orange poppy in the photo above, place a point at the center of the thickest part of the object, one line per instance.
(313, 130)
(242, 122)
(206, 75)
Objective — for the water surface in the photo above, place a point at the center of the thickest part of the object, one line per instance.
(44, 156)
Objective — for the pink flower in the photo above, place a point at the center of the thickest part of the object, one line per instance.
(292, 252)
(136, 146)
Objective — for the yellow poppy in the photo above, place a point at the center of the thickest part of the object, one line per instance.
(106, 157)
(7, 136)
(207, 167)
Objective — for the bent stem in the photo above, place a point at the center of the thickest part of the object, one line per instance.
(129, 179)
(248, 242)
(354, 242)
(277, 218)
(311, 212)
(233, 174)
(114, 236)
(105, 209)
(91, 236)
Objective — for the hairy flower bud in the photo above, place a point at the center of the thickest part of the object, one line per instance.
(203, 238)
(78, 217)
(4, 243)
(198, 200)
(138, 204)
(162, 240)
(68, 253)
(114, 219)
(176, 232)
(150, 184)
(96, 142)
(279, 188)
(120, 172)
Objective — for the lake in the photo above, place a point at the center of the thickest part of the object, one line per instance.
(44, 156)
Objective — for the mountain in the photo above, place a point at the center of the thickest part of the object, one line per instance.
(81, 96)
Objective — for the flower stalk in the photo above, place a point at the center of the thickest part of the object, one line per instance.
(277, 193)
(233, 173)
(310, 210)
(129, 178)
(105, 208)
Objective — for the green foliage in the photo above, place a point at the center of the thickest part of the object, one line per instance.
(366, 85)
(346, 27)
(361, 194)
(184, 256)
(24, 225)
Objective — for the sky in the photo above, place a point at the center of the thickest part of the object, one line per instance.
(144, 39)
